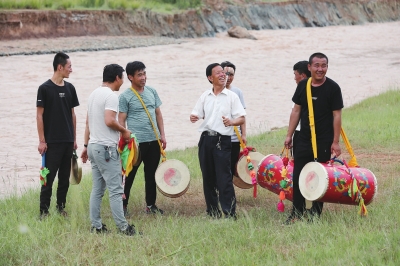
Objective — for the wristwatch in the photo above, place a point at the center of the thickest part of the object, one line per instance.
(85, 145)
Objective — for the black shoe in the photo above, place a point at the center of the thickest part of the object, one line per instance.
(129, 231)
(293, 218)
(102, 230)
(153, 209)
(44, 215)
(232, 216)
(215, 214)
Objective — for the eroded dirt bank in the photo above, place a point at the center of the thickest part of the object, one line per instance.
(201, 23)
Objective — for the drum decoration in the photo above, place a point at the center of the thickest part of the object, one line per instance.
(250, 165)
(241, 176)
(275, 174)
(129, 154)
(172, 178)
(327, 182)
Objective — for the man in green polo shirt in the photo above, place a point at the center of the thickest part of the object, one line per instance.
(134, 116)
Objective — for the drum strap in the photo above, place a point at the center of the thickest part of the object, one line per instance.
(353, 159)
(250, 165)
(163, 153)
(311, 118)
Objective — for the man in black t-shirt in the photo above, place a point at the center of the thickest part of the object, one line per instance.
(327, 104)
(56, 125)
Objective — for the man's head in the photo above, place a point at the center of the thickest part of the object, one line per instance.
(230, 70)
(215, 74)
(113, 74)
(318, 66)
(62, 64)
(136, 72)
(300, 71)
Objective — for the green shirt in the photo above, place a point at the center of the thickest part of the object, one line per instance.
(137, 118)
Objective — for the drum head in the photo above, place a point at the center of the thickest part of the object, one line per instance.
(172, 178)
(313, 181)
(243, 171)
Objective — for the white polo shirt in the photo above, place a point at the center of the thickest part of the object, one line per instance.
(211, 108)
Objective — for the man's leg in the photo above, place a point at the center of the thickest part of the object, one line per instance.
(129, 182)
(53, 160)
(234, 156)
(96, 154)
(206, 146)
(151, 160)
(222, 162)
(63, 175)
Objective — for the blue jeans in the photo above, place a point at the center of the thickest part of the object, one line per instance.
(106, 174)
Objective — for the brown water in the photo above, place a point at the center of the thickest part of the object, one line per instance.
(363, 60)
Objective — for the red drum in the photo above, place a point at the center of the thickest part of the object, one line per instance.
(269, 175)
(327, 182)
(243, 177)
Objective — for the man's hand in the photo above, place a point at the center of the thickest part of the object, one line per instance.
(42, 148)
(84, 155)
(244, 139)
(227, 122)
(288, 142)
(163, 142)
(75, 145)
(126, 135)
(194, 118)
(335, 149)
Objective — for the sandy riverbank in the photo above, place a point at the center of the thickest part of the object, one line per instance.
(364, 60)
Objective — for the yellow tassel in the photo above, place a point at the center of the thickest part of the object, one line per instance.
(363, 209)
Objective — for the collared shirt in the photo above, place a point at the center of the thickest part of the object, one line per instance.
(211, 108)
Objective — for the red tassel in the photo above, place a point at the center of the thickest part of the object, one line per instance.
(255, 190)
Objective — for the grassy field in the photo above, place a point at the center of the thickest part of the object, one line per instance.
(185, 236)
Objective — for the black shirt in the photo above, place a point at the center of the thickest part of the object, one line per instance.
(57, 102)
(326, 99)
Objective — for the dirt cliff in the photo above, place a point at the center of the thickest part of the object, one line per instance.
(27, 24)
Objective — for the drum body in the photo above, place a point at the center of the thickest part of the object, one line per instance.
(243, 178)
(269, 175)
(172, 178)
(330, 183)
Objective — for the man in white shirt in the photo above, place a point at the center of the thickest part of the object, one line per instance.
(220, 110)
(101, 139)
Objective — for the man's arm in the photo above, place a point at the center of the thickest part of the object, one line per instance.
(243, 130)
(86, 137)
(293, 122)
(40, 128)
(111, 122)
(74, 123)
(160, 125)
(122, 119)
(233, 122)
(337, 125)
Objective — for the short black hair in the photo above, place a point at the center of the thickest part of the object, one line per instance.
(302, 68)
(318, 55)
(228, 64)
(209, 70)
(111, 72)
(60, 59)
(134, 66)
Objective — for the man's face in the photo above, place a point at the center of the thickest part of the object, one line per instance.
(298, 77)
(218, 76)
(66, 69)
(138, 80)
(120, 81)
(230, 74)
(318, 68)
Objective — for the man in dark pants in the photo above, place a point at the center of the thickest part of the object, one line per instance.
(300, 71)
(221, 110)
(133, 116)
(56, 125)
(327, 105)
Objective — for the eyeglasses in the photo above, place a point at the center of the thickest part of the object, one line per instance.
(229, 74)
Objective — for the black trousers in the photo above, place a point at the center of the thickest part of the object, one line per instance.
(295, 140)
(150, 156)
(235, 156)
(58, 159)
(215, 166)
(303, 154)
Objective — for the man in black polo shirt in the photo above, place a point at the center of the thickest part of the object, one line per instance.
(56, 125)
(327, 105)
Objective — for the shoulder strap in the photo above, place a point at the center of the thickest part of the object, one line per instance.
(152, 124)
(311, 118)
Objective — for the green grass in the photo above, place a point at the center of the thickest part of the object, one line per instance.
(156, 5)
(184, 236)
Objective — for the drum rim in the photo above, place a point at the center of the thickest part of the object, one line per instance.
(320, 189)
(183, 185)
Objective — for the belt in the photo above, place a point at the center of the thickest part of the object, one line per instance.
(211, 133)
